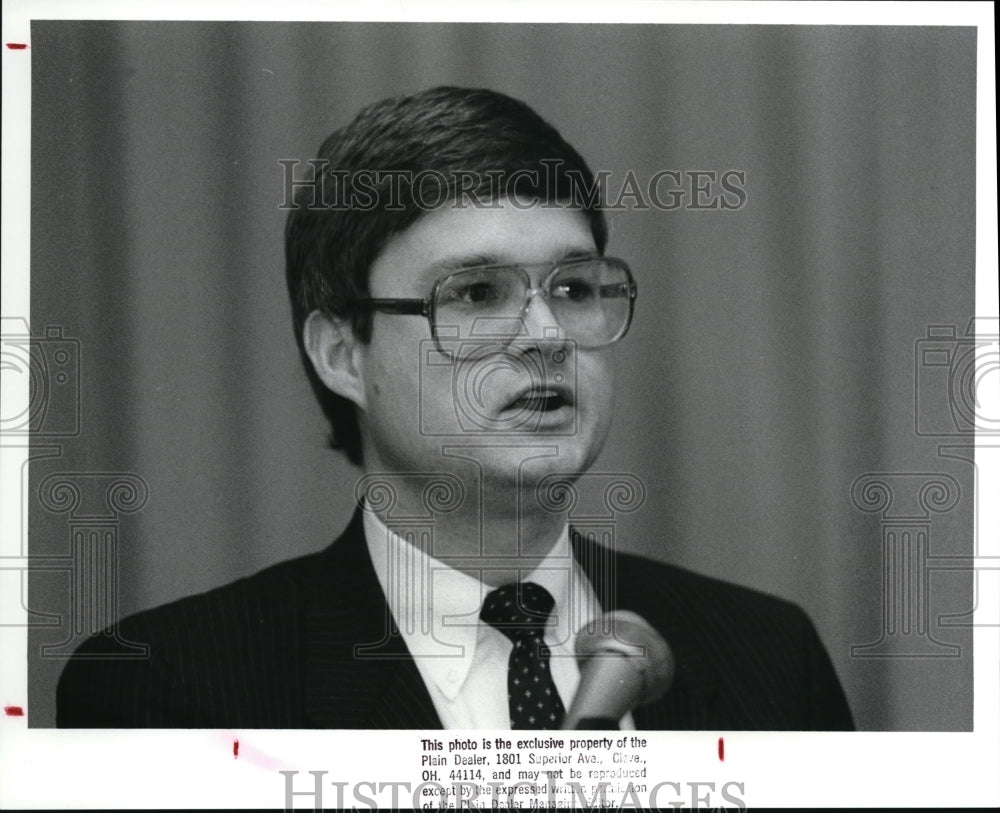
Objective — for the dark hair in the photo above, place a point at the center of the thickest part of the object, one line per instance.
(470, 142)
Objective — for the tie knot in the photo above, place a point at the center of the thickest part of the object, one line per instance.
(518, 610)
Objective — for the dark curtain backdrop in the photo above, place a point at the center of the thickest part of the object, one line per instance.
(771, 363)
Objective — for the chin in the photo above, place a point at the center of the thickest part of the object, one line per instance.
(528, 463)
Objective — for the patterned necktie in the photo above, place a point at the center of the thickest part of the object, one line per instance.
(520, 611)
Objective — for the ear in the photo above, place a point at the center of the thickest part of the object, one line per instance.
(335, 354)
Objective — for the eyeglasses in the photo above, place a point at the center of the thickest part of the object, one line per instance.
(592, 299)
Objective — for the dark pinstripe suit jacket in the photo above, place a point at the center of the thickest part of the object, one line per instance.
(310, 643)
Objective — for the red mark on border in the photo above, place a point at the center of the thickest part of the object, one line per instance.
(722, 750)
(17, 46)
(13, 711)
(236, 748)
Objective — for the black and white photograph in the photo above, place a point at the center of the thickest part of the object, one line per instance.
(501, 411)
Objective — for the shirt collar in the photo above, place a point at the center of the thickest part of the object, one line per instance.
(436, 607)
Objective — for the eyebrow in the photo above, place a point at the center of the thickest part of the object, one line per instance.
(461, 262)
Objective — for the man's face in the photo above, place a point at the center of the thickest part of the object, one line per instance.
(542, 399)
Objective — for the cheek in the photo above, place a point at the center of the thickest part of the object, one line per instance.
(596, 379)
(392, 385)
(385, 386)
(597, 403)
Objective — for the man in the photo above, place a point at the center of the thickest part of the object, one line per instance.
(457, 314)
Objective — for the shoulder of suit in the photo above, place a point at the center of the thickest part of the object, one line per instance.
(262, 598)
(674, 585)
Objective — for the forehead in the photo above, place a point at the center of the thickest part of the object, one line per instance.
(450, 237)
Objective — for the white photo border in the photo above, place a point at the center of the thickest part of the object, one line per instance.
(185, 768)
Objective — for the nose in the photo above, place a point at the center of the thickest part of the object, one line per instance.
(539, 321)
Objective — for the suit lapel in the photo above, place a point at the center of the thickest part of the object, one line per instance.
(617, 582)
(357, 671)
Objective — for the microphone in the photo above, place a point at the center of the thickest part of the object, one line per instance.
(624, 663)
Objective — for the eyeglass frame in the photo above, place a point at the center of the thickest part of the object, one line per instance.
(413, 306)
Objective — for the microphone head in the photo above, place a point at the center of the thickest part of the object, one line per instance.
(630, 640)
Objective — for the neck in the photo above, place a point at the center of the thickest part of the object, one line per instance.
(496, 535)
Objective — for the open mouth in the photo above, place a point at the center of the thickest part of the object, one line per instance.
(545, 399)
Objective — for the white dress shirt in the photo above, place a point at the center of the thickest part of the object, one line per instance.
(463, 661)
